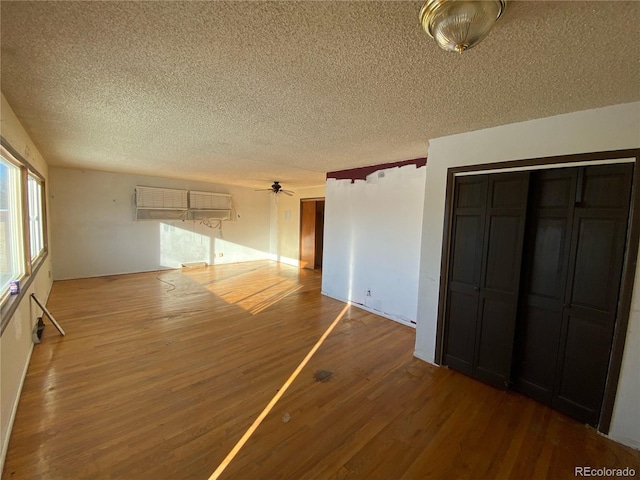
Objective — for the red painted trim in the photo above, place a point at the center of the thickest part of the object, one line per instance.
(361, 173)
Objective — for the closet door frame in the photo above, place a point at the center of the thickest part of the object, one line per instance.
(630, 253)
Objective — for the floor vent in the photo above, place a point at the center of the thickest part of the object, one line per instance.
(194, 265)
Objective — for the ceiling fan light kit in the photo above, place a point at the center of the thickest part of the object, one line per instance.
(458, 25)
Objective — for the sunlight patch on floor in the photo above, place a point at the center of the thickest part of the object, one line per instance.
(254, 297)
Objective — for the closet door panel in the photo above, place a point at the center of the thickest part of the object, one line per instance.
(607, 186)
(597, 262)
(548, 251)
(461, 328)
(537, 340)
(464, 272)
(504, 253)
(495, 341)
(593, 285)
(583, 373)
(502, 257)
(466, 261)
(544, 279)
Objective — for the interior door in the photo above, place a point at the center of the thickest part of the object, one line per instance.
(571, 280)
(500, 276)
(311, 233)
(545, 266)
(593, 284)
(464, 271)
(484, 274)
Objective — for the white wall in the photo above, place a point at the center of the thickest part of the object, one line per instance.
(15, 343)
(372, 241)
(94, 232)
(611, 128)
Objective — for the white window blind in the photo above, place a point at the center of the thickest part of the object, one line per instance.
(161, 198)
(153, 203)
(208, 205)
(209, 201)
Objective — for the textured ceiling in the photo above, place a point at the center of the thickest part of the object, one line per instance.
(249, 92)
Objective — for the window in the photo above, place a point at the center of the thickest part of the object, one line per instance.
(23, 240)
(36, 236)
(12, 265)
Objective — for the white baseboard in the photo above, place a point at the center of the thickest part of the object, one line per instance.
(289, 261)
(629, 442)
(371, 310)
(419, 356)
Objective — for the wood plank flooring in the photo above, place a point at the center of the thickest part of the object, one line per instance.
(160, 374)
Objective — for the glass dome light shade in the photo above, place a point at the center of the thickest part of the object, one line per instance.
(458, 25)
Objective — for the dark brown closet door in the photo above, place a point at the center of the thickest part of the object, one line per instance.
(484, 274)
(593, 284)
(545, 265)
(464, 271)
(500, 276)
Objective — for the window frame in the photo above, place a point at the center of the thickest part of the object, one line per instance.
(31, 266)
(33, 179)
(15, 227)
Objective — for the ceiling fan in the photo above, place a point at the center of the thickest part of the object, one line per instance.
(276, 188)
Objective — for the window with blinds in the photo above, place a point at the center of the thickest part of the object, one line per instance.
(161, 198)
(153, 203)
(207, 205)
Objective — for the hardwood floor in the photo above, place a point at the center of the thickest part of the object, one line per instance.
(160, 374)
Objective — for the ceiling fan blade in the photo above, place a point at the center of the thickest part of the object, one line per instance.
(287, 192)
(264, 190)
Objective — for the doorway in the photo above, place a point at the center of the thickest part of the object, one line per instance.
(311, 233)
(537, 275)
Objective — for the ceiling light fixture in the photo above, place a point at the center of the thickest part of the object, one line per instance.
(458, 25)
